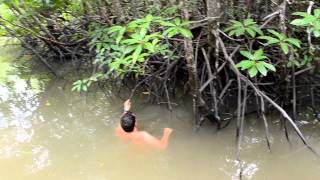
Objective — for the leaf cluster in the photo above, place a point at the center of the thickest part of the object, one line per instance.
(312, 21)
(84, 84)
(281, 40)
(125, 49)
(255, 63)
(247, 26)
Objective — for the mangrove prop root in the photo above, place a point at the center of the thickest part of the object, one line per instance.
(260, 93)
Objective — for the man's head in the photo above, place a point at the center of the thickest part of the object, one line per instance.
(128, 121)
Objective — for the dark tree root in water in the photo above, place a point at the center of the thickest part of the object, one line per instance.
(265, 122)
(262, 95)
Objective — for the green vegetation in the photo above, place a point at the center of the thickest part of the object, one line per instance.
(125, 49)
(281, 40)
(310, 21)
(255, 63)
(248, 26)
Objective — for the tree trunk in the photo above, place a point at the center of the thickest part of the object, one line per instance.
(214, 14)
(192, 66)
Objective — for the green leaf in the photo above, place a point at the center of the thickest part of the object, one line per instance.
(251, 32)
(136, 53)
(132, 25)
(277, 34)
(293, 62)
(239, 31)
(269, 66)
(258, 53)
(253, 71)
(177, 21)
(84, 88)
(284, 47)
(303, 14)
(259, 58)
(149, 17)
(316, 33)
(113, 29)
(170, 32)
(143, 32)
(186, 32)
(166, 24)
(128, 49)
(299, 22)
(136, 36)
(248, 22)
(77, 82)
(152, 36)
(74, 88)
(149, 46)
(245, 64)
(308, 18)
(247, 54)
(316, 25)
(231, 33)
(115, 47)
(186, 23)
(270, 40)
(130, 41)
(293, 41)
(316, 12)
(236, 23)
(228, 29)
(120, 35)
(261, 68)
(257, 29)
(155, 42)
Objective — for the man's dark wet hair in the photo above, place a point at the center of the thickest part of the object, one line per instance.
(128, 121)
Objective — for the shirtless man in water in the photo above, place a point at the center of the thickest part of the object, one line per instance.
(128, 130)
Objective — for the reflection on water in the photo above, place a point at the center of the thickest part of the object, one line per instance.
(48, 132)
(18, 101)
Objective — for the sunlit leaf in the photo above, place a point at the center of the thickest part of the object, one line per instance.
(261, 68)
(248, 22)
(251, 32)
(166, 23)
(253, 71)
(299, 22)
(186, 32)
(245, 64)
(136, 53)
(293, 41)
(256, 29)
(269, 66)
(284, 47)
(177, 21)
(247, 54)
(277, 34)
(270, 40)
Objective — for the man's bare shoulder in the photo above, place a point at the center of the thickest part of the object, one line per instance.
(144, 135)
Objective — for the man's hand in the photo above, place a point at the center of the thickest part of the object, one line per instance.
(127, 105)
(167, 131)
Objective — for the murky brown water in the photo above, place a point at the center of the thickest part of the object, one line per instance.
(48, 132)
